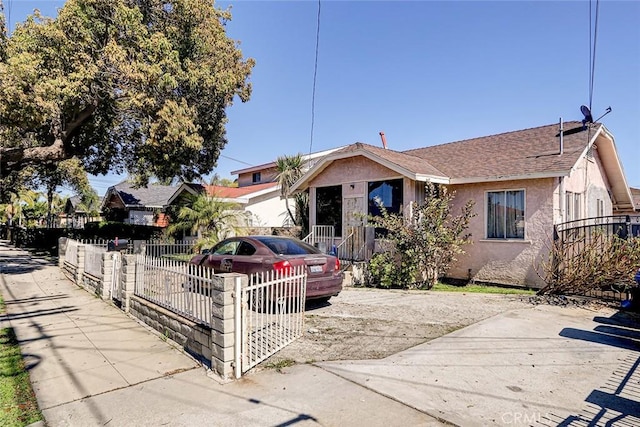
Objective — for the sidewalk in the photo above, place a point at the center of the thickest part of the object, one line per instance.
(92, 365)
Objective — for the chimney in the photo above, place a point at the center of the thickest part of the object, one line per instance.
(561, 137)
(384, 140)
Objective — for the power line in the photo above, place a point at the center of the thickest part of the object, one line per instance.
(236, 160)
(315, 74)
(593, 38)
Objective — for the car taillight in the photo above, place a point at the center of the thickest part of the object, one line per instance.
(337, 267)
(283, 267)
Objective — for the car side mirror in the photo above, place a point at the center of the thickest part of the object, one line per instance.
(204, 251)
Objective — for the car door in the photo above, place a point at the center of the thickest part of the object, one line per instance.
(221, 256)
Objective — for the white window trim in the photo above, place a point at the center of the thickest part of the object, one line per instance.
(486, 217)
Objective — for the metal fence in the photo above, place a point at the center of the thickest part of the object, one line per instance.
(178, 286)
(273, 313)
(164, 249)
(591, 237)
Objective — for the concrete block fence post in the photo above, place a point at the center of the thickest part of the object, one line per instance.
(62, 249)
(80, 269)
(107, 275)
(222, 344)
(128, 280)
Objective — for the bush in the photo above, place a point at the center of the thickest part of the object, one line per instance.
(422, 247)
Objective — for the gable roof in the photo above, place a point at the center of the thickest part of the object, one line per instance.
(238, 192)
(530, 153)
(410, 166)
(524, 154)
(152, 196)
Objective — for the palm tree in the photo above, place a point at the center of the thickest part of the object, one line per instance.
(290, 169)
(210, 218)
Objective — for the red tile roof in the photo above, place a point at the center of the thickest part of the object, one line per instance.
(237, 192)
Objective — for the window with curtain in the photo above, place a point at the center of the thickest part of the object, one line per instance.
(505, 214)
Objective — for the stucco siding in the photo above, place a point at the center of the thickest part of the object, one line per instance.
(269, 212)
(512, 262)
(266, 175)
(352, 170)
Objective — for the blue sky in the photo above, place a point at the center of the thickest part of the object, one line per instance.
(424, 72)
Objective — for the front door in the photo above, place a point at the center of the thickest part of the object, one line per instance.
(354, 218)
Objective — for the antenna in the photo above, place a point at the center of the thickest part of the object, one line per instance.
(588, 118)
(607, 111)
(586, 112)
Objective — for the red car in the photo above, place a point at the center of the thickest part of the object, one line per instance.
(254, 254)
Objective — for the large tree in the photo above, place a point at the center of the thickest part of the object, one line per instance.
(135, 85)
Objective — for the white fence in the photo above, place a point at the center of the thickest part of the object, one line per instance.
(71, 253)
(93, 260)
(273, 314)
(178, 286)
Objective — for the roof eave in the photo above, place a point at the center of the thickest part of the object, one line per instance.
(482, 179)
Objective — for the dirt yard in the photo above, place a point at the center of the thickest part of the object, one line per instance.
(363, 323)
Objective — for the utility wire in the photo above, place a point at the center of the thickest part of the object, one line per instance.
(315, 75)
(593, 38)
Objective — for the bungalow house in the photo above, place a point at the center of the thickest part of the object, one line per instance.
(141, 206)
(75, 215)
(522, 183)
(261, 202)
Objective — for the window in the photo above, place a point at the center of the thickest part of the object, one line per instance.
(573, 204)
(329, 207)
(505, 214)
(387, 193)
(246, 249)
(226, 248)
(600, 207)
(255, 177)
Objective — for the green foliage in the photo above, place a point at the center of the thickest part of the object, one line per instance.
(211, 218)
(110, 230)
(482, 289)
(290, 169)
(422, 246)
(132, 85)
(17, 400)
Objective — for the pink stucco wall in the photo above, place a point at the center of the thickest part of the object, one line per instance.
(588, 178)
(352, 170)
(513, 262)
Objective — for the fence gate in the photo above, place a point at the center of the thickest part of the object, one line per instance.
(116, 280)
(272, 314)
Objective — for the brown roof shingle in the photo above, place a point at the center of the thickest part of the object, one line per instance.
(512, 154)
(405, 160)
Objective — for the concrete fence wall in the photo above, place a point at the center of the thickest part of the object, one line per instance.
(212, 345)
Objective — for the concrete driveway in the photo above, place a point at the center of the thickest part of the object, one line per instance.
(543, 365)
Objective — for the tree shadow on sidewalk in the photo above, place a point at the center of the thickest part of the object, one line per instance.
(618, 400)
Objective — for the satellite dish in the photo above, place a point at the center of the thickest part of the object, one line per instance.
(588, 118)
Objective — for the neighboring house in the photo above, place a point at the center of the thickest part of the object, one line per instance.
(74, 215)
(141, 206)
(635, 193)
(261, 201)
(259, 193)
(522, 183)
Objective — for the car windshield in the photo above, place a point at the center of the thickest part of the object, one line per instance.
(282, 246)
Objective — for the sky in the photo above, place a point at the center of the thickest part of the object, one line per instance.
(423, 72)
